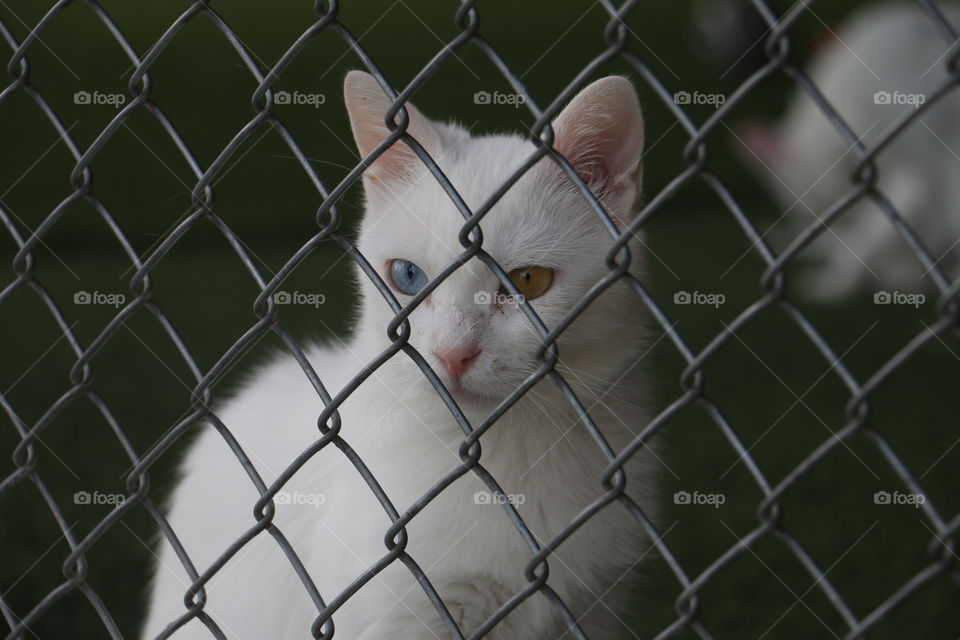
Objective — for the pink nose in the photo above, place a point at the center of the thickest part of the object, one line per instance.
(458, 360)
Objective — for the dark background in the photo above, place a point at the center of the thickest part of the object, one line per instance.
(777, 391)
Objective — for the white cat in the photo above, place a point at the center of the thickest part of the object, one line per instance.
(883, 62)
(482, 346)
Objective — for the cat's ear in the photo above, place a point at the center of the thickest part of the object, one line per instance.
(367, 106)
(601, 133)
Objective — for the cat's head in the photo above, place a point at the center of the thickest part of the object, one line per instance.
(542, 231)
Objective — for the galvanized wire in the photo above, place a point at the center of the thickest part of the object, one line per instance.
(620, 45)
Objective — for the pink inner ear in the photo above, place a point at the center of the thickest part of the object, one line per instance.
(601, 133)
(763, 140)
(399, 160)
(595, 147)
(367, 105)
(590, 162)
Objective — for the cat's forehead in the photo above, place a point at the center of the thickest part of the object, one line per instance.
(535, 222)
(479, 166)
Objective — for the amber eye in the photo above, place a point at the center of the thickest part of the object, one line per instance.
(533, 281)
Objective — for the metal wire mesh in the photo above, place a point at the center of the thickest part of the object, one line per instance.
(620, 44)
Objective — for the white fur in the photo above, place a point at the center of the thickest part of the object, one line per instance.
(892, 48)
(396, 423)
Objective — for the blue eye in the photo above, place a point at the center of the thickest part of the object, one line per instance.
(407, 277)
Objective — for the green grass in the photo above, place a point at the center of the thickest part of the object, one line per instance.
(781, 396)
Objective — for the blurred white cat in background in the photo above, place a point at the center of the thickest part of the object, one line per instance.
(884, 61)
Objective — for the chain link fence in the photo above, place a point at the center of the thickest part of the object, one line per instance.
(621, 44)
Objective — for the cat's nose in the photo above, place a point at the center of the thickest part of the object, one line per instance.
(458, 359)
